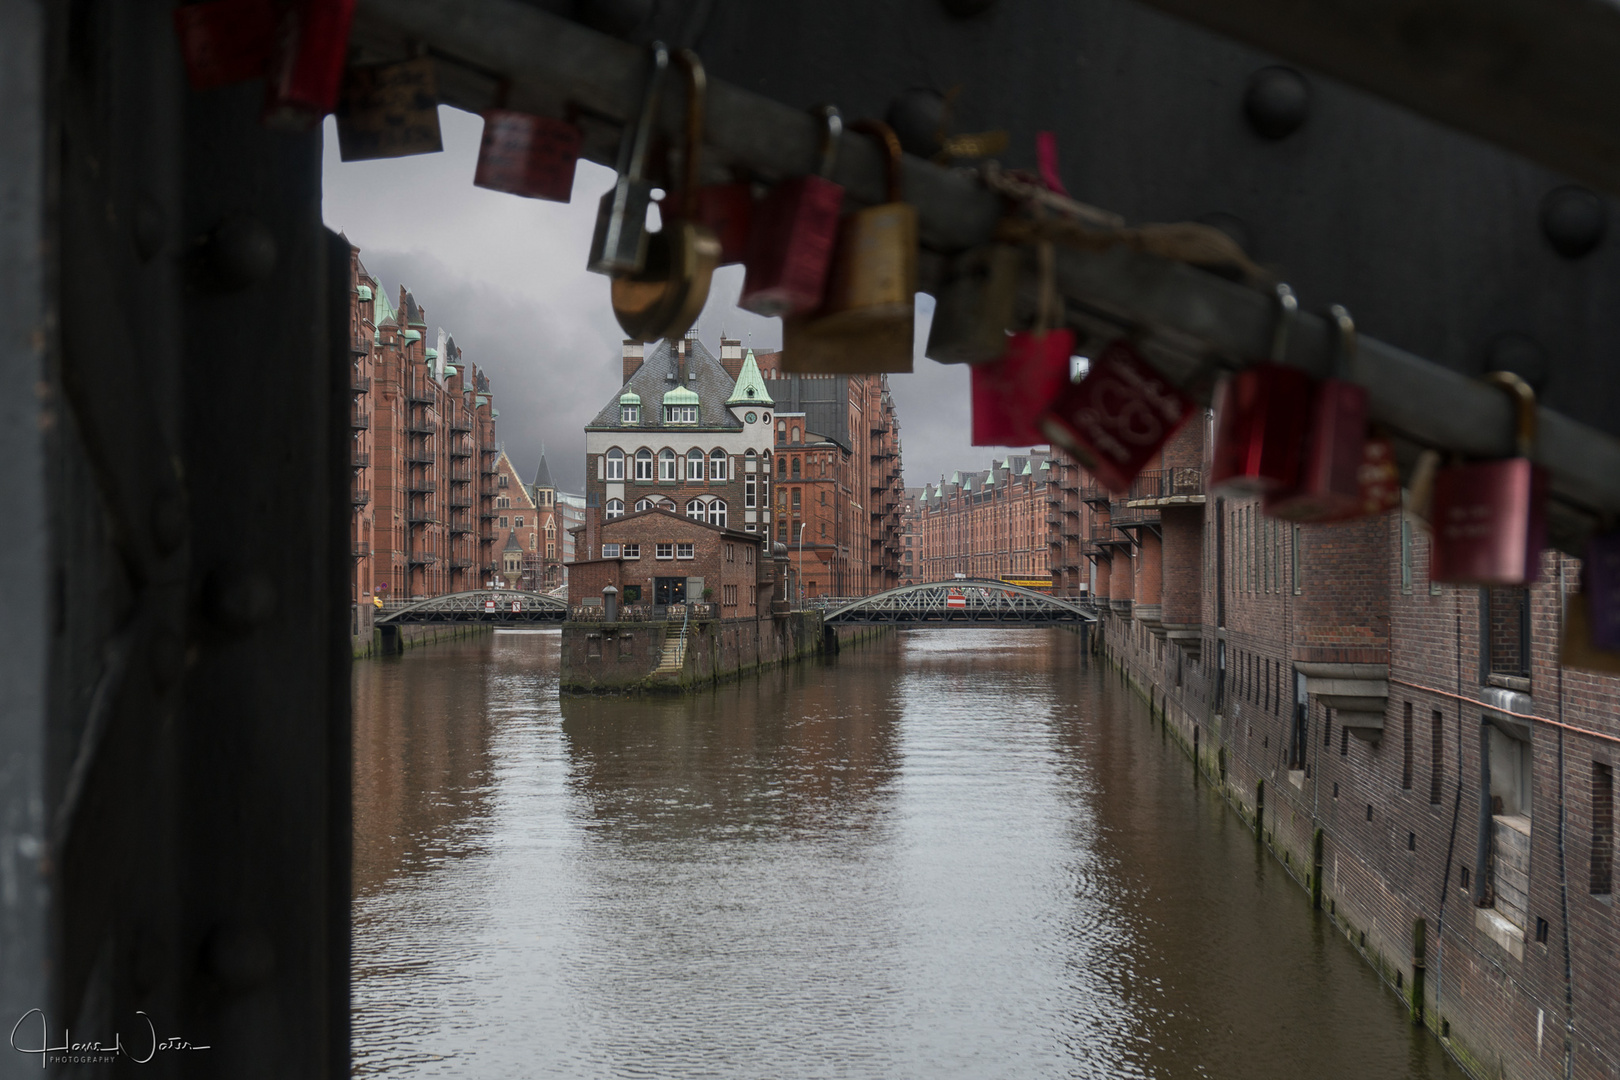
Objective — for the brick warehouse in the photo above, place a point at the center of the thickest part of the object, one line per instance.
(1414, 753)
(991, 524)
(434, 496)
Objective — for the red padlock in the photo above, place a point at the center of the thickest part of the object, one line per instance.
(306, 65)
(1490, 517)
(528, 155)
(1329, 487)
(1379, 477)
(1010, 393)
(790, 246)
(724, 209)
(1260, 418)
(225, 41)
(1116, 418)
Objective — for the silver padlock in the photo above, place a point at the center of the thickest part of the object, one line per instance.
(619, 246)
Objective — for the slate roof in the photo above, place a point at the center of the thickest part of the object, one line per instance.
(542, 475)
(656, 377)
(750, 388)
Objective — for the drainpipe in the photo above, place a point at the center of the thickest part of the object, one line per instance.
(1482, 846)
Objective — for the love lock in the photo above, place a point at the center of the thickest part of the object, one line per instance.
(666, 296)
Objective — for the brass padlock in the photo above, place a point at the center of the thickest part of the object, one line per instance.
(976, 306)
(619, 245)
(665, 298)
(867, 323)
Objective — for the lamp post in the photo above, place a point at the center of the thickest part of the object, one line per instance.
(802, 524)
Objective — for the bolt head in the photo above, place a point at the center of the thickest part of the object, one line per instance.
(919, 118)
(1573, 221)
(1277, 101)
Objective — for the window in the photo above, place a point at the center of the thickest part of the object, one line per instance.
(731, 553)
(632, 551)
(781, 466)
(502, 521)
(629, 414)
(615, 464)
(728, 595)
(683, 551)
(502, 501)
(797, 435)
(501, 482)
(551, 551)
(1297, 582)
(796, 492)
(795, 468)
(749, 493)
(643, 504)
(615, 508)
(694, 510)
(694, 464)
(1437, 757)
(610, 551)
(1602, 871)
(518, 522)
(644, 466)
(1505, 625)
(667, 467)
(717, 464)
(680, 414)
(1406, 748)
(750, 459)
(717, 513)
(664, 551)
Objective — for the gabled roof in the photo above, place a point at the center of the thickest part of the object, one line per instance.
(542, 475)
(655, 378)
(383, 312)
(750, 388)
(512, 542)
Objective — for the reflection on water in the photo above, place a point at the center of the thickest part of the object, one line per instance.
(949, 853)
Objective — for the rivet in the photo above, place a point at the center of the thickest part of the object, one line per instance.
(240, 599)
(168, 522)
(1573, 220)
(240, 956)
(1277, 101)
(167, 657)
(241, 250)
(919, 118)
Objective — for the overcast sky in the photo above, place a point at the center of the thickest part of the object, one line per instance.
(506, 276)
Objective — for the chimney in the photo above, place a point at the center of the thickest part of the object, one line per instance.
(731, 356)
(632, 358)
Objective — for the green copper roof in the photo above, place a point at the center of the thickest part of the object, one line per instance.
(385, 310)
(450, 369)
(1026, 470)
(750, 388)
(363, 292)
(629, 397)
(433, 354)
(681, 395)
(412, 335)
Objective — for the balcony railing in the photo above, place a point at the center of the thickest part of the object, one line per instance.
(422, 427)
(360, 496)
(460, 502)
(360, 459)
(1167, 483)
(459, 562)
(359, 384)
(422, 558)
(420, 456)
(421, 395)
(1054, 519)
(421, 517)
(461, 423)
(461, 476)
(460, 528)
(459, 451)
(360, 549)
(421, 486)
(359, 420)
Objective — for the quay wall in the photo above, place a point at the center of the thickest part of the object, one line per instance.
(627, 657)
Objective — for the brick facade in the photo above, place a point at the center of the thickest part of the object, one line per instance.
(991, 524)
(653, 549)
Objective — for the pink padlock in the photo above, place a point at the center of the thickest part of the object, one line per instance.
(1490, 517)
(528, 155)
(1329, 485)
(790, 241)
(1116, 418)
(1261, 414)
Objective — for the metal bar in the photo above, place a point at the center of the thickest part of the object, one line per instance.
(1196, 315)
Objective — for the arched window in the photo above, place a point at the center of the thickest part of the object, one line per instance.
(694, 510)
(749, 457)
(644, 464)
(615, 464)
(667, 467)
(642, 504)
(615, 507)
(795, 468)
(797, 435)
(781, 466)
(694, 464)
(717, 464)
(717, 513)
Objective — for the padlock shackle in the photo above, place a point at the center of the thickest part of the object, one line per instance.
(1287, 312)
(697, 83)
(891, 145)
(1344, 342)
(832, 130)
(633, 148)
(1524, 400)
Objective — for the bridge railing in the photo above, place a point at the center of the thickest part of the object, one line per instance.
(646, 612)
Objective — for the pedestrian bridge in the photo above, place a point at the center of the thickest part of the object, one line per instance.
(504, 606)
(960, 603)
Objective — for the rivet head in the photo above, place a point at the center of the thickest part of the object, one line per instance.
(1277, 101)
(240, 956)
(241, 250)
(919, 118)
(239, 599)
(1522, 355)
(1573, 220)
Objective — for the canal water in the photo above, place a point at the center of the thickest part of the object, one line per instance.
(948, 853)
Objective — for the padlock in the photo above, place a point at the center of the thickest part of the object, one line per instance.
(1379, 478)
(305, 74)
(528, 155)
(1009, 394)
(665, 298)
(867, 321)
(225, 41)
(1116, 418)
(619, 245)
(790, 242)
(1600, 581)
(1578, 646)
(724, 209)
(389, 111)
(1260, 417)
(976, 307)
(1490, 517)
(1329, 487)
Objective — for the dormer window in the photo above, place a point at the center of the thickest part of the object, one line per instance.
(680, 414)
(629, 414)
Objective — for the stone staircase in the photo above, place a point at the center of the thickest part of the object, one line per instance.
(674, 657)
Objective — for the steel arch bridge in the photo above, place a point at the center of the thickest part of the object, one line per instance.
(961, 603)
(481, 605)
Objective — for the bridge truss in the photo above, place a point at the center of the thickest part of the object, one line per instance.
(961, 603)
(480, 605)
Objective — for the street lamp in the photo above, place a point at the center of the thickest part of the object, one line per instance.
(802, 524)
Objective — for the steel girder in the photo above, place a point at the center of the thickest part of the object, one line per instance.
(993, 603)
(470, 607)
